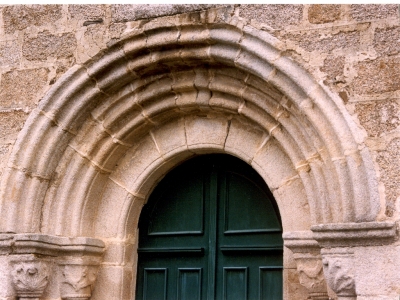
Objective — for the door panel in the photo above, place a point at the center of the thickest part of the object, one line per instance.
(246, 211)
(210, 230)
(270, 277)
(155, 283)
(167, 217)
(189, 283)
(235, 283)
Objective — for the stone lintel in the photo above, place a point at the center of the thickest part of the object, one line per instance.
(49, 245)
(354, 234)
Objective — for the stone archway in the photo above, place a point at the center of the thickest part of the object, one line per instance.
(106, 133)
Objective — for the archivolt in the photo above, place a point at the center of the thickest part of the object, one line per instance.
(190, 75)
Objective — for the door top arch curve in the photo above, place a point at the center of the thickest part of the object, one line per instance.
(194, 67)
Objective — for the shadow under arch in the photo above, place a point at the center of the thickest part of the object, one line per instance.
(197, 83)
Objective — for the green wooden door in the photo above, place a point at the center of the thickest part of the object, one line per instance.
(210, 230)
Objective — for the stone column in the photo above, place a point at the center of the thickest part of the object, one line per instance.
(338, 243)
(306, 253)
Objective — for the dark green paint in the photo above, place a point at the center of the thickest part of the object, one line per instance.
(210, 230)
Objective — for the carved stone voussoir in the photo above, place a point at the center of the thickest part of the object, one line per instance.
(78, 278)
(30, 277)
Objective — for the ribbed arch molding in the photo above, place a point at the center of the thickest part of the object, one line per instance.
(190, 85)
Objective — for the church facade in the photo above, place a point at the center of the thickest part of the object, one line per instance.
(152, 151)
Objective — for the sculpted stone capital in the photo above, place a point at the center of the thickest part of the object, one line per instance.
(339, 273)
(78, 278)
(31, 258)
(306, 254)
(30, 277)
(311, 274)
(336, 241)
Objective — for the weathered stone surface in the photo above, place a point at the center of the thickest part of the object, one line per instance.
(87, 12)
(19, 17)
(292, 287)
(306, 253)
(362, 12)
(105, 210)
(92, 41)
(48, 45)
(382, 282)
(323, 13)
(377, 76)
(325, 42)
(62, 65)
(170, 137)
(333, 67)
(4, 151)
(30, 277)
(9, 54)
(206, 132)
(244, 138)
(378, 117)
(268, 157)
(109, 275)
(389, 164)
(347, 235)
(339, 272)
(387, 41)
(298, 205)
(78, 280)
(274, 15)
(116, 30)
(132, 12)
(22, 88)
(134, 164)
(11, 123)
(6, 289)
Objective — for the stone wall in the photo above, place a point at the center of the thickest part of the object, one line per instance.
(351, 49)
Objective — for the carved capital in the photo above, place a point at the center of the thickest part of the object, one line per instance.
(339, 273)
(30, 277)
(306, 253)
(311, 274)
(78, 278)
(31, 257)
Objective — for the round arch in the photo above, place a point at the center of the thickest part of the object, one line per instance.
(108, 131)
